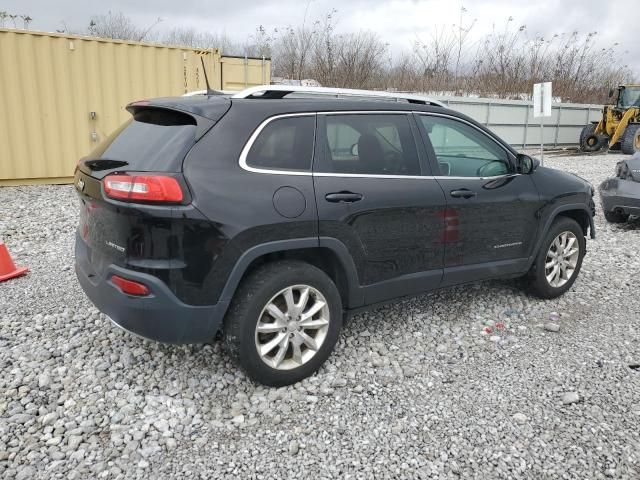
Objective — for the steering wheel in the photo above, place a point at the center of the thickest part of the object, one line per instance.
(491, 169)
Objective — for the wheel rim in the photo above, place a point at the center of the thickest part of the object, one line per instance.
(292, 327)
(562, 259)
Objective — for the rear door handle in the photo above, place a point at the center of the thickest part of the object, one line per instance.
(343, 197)
(462, 193)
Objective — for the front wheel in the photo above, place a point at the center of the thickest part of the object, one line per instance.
(630, 141)
(559, 260)
(283, 322)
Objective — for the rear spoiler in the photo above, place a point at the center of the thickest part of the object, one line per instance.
(205, 113)
(203, 125)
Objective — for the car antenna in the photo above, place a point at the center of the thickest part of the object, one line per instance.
(206, 79)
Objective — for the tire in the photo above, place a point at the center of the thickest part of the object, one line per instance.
(587, 130)
(267, 285)
(630, 141)
(538, 281)
(616, 217)
(593, 142)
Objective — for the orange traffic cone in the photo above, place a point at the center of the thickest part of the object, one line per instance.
(7, 268)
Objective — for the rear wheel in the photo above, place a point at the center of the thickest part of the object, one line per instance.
(616, 217)
(283, 322)
(587, 130)
(630, 142)
(559, 260)
(594, 142)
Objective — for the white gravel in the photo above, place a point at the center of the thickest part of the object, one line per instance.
(462, 383)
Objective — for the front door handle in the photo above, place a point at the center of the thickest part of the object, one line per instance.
(343, 197)
(462, 193)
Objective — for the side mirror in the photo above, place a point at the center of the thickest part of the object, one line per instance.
(526, 164)
(354, 150)
(610, 92)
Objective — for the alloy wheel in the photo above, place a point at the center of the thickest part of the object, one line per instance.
(562, 259)
(292, 327)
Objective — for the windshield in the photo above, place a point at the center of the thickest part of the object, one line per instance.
(629, 97)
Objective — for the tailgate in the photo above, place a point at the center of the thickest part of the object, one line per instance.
(103, 227)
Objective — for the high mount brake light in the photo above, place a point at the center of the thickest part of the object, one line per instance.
(148, 188)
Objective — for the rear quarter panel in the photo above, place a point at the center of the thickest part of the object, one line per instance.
(239, 203)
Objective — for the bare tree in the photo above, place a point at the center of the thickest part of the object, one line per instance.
(294, 47)
(463, 33)
(360, 58)
(504, 63)
(435, 57)
(190, 37)
(325, 50)
(118, 26)
(259, 44)
(26, 19)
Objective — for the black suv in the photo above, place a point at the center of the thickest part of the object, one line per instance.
(267, 218)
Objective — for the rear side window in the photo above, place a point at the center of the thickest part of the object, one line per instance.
(284, 144)
(154, 140)
(371, 144)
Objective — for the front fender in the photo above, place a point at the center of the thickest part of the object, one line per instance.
(558, 210)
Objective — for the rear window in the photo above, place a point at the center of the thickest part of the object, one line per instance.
(153, 140)
(378, 144)
(284, 144)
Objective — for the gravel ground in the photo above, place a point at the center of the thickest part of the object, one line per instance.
(417, 389)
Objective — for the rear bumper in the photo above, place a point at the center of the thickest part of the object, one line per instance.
(159, 316)
(620, 195)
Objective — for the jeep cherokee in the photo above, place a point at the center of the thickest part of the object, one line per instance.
(269, 215)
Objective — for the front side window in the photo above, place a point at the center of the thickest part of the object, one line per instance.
(462, 150)
(371, 144)
(284, 144)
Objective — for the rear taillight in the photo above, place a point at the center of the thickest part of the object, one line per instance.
(148, 188)
(129, 286)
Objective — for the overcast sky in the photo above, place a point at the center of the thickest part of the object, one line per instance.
(398, 22)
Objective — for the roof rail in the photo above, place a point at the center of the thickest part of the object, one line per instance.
(281, 91)
(205, 92)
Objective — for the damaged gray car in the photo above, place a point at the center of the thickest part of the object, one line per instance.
(620, 195)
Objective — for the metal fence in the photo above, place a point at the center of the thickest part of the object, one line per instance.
(513, 120)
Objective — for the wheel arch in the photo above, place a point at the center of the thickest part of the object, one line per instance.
(579, 215)
(328, 254)
(578, 212)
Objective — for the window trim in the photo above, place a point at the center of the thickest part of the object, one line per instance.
(247, 148)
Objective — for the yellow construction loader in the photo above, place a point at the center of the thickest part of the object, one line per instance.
(619, 127)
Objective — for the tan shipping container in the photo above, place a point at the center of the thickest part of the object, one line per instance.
(60, 95)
